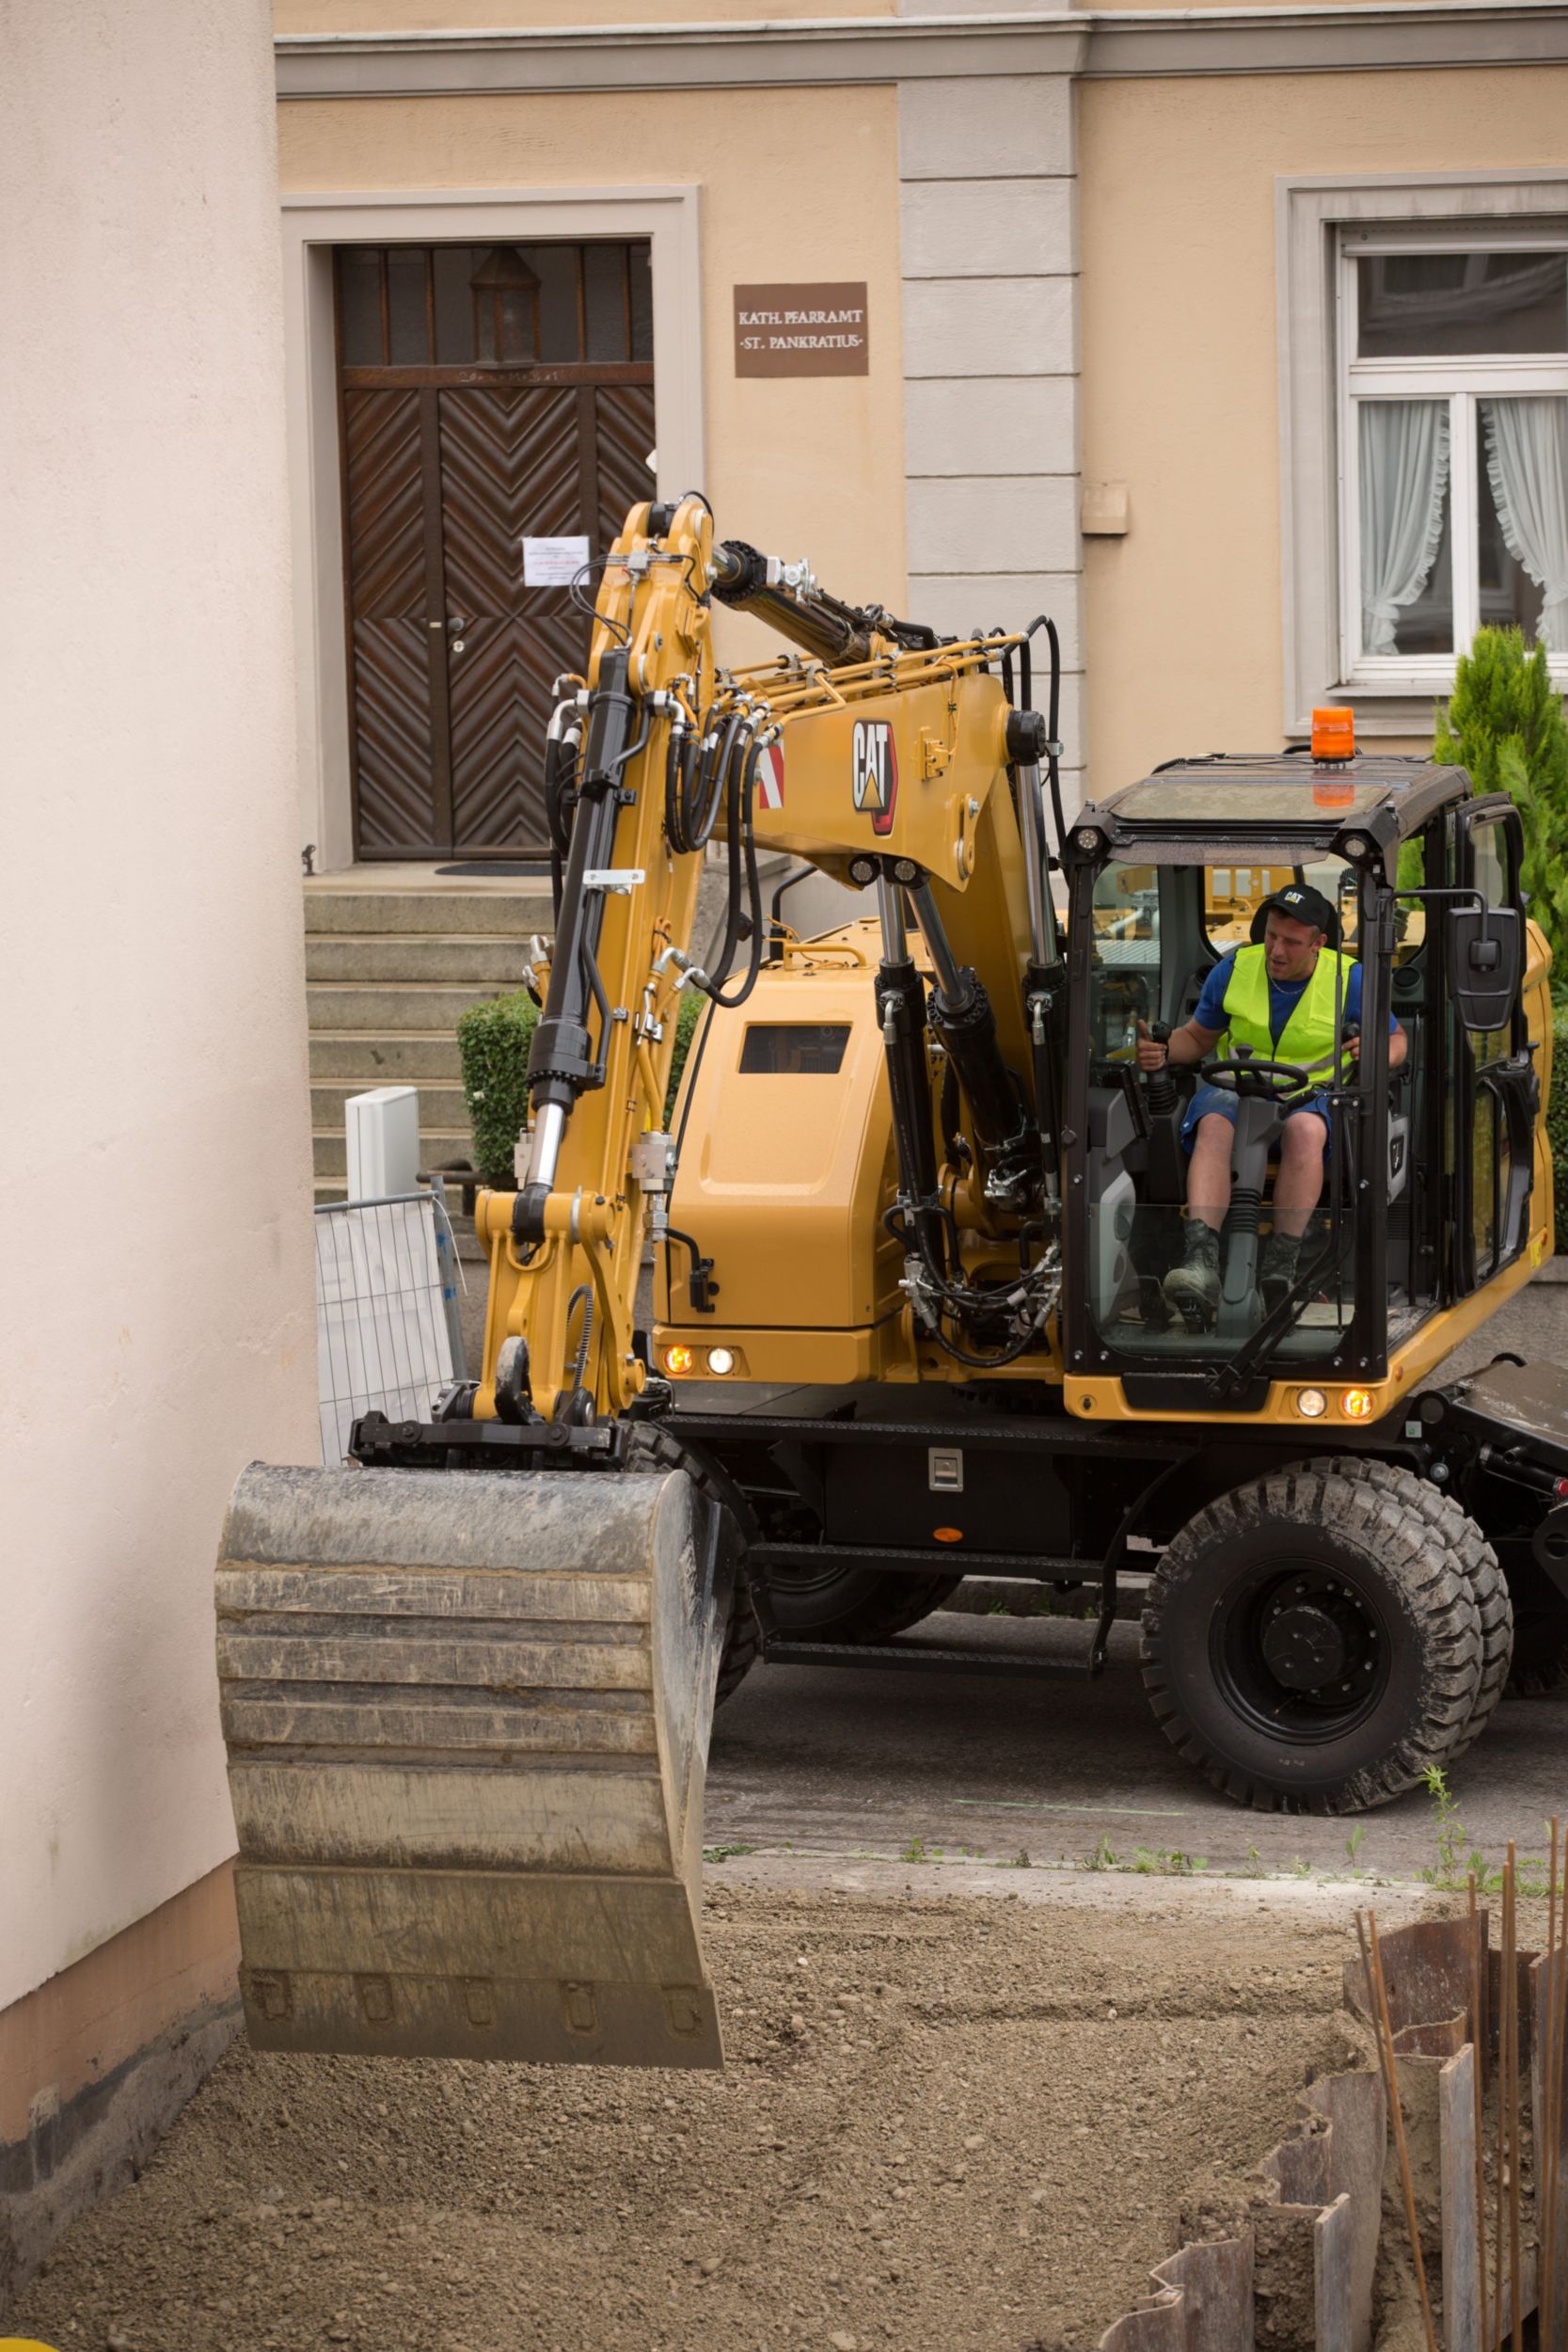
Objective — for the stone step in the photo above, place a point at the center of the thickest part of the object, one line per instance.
(373, 1057)
(491, 959)
(442, 1109)
(367, 1005)
(437, 1146)
(333, 905)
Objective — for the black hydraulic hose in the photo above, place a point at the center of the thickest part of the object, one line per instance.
(740, 790)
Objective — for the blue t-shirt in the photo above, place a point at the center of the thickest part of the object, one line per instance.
(1284, 996)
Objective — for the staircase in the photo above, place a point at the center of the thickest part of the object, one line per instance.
(392, 958)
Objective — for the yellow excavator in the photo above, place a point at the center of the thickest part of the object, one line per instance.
(911, 1225)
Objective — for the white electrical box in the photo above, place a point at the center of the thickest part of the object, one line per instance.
(383, 1130)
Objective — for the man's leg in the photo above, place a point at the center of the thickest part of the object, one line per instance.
(1297, 1189)
(1194, 1286)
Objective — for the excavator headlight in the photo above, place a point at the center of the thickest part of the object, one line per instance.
(1311, 1402)
(863, 871)
(720, 1361)
(1357, 1404)
(1087, 838)
(678, 1360)
(906, 872)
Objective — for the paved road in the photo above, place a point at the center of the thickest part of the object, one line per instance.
(846, 1763)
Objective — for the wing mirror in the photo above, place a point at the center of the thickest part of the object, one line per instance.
(1486, 954)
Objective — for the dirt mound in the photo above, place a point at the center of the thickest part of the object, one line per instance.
(947, 2125)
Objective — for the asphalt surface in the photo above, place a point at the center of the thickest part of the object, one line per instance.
(929, 1766)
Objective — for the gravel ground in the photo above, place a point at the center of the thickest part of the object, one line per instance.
(949, 2124)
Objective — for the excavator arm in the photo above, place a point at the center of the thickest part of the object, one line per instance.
(467, 1685)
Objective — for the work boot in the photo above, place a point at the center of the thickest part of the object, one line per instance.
(1194, 1286)
(1277, 1274)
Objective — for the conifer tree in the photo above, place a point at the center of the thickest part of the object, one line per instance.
(1505, 723)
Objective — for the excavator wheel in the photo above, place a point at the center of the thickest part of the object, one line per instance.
(1314, 1642)
(1481, 1564)
(467, 1715)
(841, 1604)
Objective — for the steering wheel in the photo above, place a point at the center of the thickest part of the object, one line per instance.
(1276, 1077)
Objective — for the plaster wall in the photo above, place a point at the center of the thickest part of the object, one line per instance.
(796, 185)
(305, 17)
(1184, 617)
(158, 1328)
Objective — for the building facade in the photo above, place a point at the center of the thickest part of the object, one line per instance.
(1234, 338)
(158, 1328)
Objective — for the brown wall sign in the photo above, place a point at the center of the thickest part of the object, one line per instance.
(800, 330)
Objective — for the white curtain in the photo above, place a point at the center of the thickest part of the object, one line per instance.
(1526, 458)
(1404, 480)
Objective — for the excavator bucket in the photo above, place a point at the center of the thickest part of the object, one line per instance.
(466, 1715)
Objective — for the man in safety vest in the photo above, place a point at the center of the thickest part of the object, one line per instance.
(1288, 996)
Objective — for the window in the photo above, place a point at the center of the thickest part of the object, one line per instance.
(518, 306)
(1453, 445)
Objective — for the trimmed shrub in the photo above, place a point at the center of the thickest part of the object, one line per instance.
(1505, 723)
(493, 1040)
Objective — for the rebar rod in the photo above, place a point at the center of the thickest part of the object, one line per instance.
(1510, 2013)
(1477, 2077)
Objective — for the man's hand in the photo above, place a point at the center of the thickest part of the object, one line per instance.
(1151, 1053)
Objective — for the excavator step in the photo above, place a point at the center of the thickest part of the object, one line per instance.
(466, 1715)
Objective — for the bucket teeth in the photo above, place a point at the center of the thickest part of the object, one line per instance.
(466, 1717)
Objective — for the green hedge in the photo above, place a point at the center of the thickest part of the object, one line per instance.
(492, 1041)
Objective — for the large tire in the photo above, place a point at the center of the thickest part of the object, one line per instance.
(655, 1448)
(1540, 1654)
(849, 1604)
(1480, 1563)
(1313, 1642)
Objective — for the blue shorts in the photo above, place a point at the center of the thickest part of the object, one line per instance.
(1220, 1099)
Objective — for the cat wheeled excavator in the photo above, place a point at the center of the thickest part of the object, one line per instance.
(909, 1226)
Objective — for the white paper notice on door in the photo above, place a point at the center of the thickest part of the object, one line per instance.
(553, 562)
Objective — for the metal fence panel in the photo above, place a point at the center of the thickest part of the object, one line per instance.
(384, 1325)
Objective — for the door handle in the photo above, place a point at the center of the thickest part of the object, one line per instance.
(454, 630)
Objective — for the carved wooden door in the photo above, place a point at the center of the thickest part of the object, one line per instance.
(449, 461)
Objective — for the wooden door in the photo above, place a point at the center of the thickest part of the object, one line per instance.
(450, 459)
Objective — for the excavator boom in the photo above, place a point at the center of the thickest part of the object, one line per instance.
(466, 1703)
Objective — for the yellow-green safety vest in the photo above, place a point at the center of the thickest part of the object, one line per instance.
(1308, 1035)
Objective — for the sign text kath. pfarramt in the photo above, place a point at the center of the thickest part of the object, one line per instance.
(800, 330)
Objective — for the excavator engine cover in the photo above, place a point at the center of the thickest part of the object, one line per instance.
(467, 1715)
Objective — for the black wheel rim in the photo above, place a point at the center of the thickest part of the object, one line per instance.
(1300, 1651)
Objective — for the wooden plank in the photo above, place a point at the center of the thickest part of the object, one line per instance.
(1456, 2129)
(1214, 2278)
(1356, 2112)
(1334, 2237)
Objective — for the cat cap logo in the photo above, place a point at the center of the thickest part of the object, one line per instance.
(874, 771)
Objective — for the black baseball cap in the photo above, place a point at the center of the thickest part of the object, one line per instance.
(1303, 904)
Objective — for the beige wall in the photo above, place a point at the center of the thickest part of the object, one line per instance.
(158, 1325)
(1181, 393)
(795, 184)
(461, 16)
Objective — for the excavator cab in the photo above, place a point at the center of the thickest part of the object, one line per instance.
(1430, 1167)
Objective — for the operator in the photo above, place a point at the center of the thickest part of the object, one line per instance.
(1285, 997)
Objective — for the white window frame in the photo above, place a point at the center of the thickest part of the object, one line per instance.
(1314, 220)
(1460, 380)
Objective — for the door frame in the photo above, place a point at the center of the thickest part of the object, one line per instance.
(667, 217)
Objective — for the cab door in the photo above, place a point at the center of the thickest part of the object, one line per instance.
(1495, 1086)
